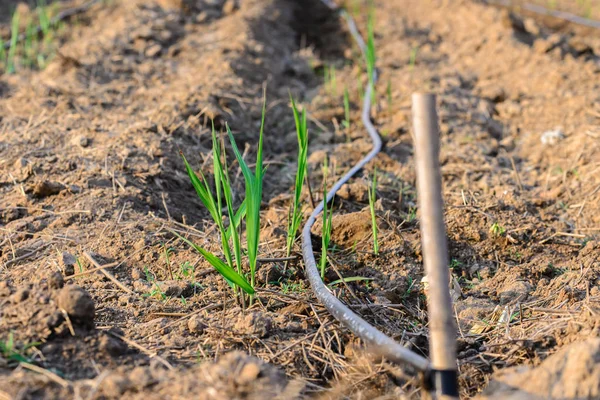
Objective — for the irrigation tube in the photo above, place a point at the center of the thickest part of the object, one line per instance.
(376, 340)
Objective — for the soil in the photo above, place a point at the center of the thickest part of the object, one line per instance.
(90, 174)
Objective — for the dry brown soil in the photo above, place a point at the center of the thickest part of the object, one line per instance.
(89, 164)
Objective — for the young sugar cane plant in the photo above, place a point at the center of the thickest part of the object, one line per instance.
(372, 199)
(295, 217)
(249, 211)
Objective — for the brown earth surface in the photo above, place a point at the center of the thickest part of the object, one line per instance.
(90, 174)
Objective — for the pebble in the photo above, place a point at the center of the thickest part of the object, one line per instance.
(153, 50)
(47, 188)
(56, 280)
(552, 137)
(175, 288)
(77, 303)
(140, 377)
(67, 262)
(255, 323)
(248, 374)
(19, 296)
(196, 325)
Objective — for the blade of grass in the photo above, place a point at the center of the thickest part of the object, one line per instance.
(253, 183)
(350, 279)
(226, 271)
(295, 218)
(14, 36)
(372, 199)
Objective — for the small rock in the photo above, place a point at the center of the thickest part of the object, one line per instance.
(75, 189)
(81, 141)
(248, 374)
(195, 325)
(230, 6)
(112, 346)
(67, 263)
(176, 288)
(513, 291)
(531, 26)
(153, 50)
(114, 385)
(356, 191)
(19, 296)
(552, 137)
(54, 320)
(56, 280)
(46, 188)
(22, 169)
(140, 377)
(77, 303)
(255, 323)
(137, 273)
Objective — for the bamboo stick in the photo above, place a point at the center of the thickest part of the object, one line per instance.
(442, 331)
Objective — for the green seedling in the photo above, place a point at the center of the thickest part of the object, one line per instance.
(254, 186)
(12, 353)
(346, 122)
(156, 290)
(326, 232)
(497, 229)
(412, 60)
(350, 279)
(370, 54)
(12, 51)
(168, 252)
(248, 211)
(295, 218)
(372, 200)
(388, 91)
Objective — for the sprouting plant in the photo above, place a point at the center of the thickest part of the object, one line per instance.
(13, 353)
(454, 264)
(295, 218)
(293, 287)
(346, 109)
(326, 232)
(350, 279)
(156, 290)
(254, 185)
(370, 50)
(497, 229)
(12, 51)
(388, 91)
(248, 210)
(79, 264)
(412, 60)
(412, 214)
(372, 199)
(187, 269)
(168, 251)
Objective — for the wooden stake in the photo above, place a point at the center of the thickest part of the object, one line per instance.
(442, 332)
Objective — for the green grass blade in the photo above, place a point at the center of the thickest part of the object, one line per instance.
(12, 51)
(227, 272)
(253, 182)
(372, 198)
(203, 191)
(350, 279)
(295, 219)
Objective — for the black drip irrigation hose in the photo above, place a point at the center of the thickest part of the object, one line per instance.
(376, 340)
(545, 12)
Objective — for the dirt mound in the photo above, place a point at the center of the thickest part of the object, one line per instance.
(571, 373)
